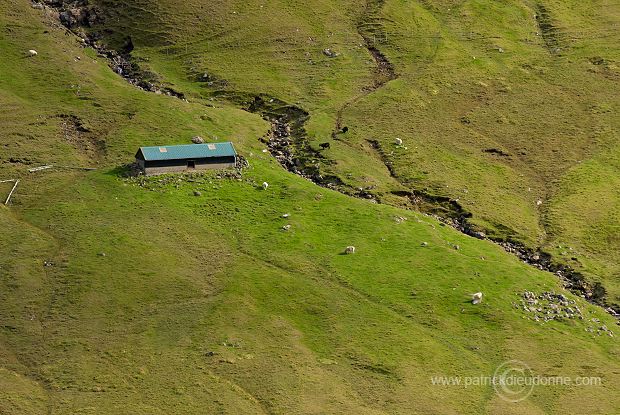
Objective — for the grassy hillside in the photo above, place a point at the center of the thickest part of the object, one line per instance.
(134, 296)
(500, 106)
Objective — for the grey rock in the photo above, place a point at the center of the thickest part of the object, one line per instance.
(198, 140)
(330, 53)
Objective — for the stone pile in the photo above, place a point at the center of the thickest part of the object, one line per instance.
(549, 306)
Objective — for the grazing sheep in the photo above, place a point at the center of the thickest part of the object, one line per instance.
(32, 53)
(349, 250)
(265, 185)
(398, 142)
(476, 298)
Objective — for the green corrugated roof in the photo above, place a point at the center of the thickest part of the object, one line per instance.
(187, 151)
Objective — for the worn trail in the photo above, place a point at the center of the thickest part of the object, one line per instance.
(372, 32)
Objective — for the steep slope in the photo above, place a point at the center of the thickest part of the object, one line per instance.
(135, 296)
(499, 106)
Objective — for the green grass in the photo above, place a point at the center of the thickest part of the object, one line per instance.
(205, 305)
(457, 95)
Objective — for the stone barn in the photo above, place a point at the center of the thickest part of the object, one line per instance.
(182, 158)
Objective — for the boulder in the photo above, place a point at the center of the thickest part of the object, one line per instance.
(330, 53)
(198, 140)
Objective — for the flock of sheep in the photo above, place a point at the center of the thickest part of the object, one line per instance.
(476, 298)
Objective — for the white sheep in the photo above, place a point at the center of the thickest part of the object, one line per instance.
(476, 298)
(398, 141)
(265, 185)
(32, 53)
(349, 250)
